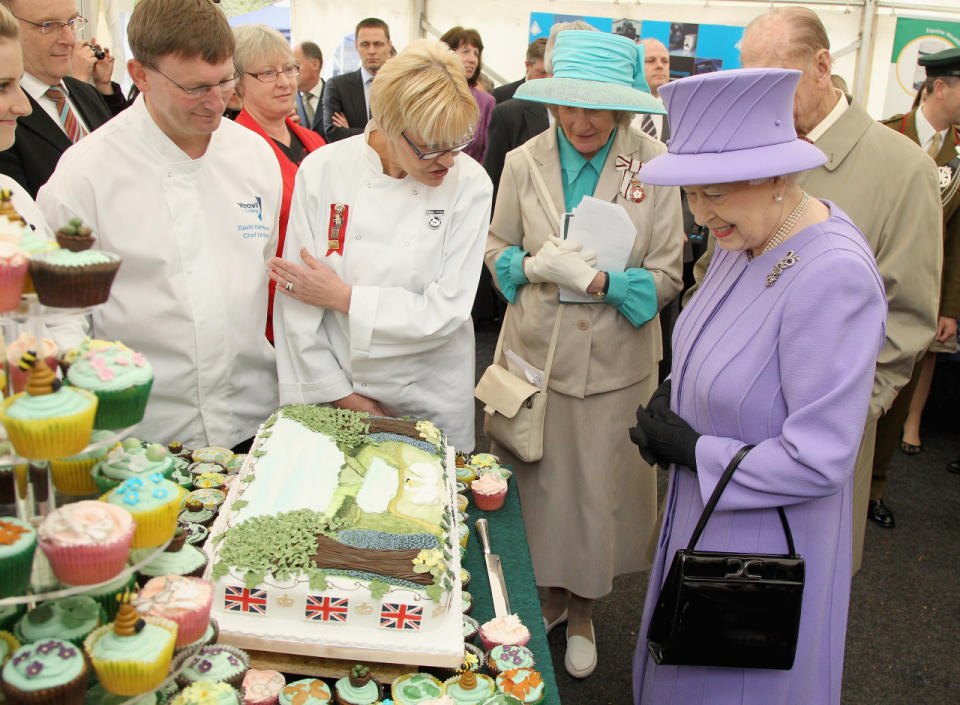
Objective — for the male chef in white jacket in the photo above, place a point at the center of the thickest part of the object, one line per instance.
(191, 203)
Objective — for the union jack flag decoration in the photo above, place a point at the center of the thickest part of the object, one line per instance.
(327, 609)
(241, 599)
(394, 615)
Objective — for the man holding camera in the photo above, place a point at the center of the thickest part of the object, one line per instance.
(64, 109)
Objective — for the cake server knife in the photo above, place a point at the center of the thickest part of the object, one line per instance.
(498, 587)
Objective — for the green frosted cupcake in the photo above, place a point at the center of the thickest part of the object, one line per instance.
(358, 688)
(48, 672)
(18, 542)
(121, 379)
(71, 476)
(179, 558)
(214, 663)
(70, 618)
(414, 688)
(131, 459)
(307, 691)
(68, 279)
(208, 692)
(106, 595)
(154, 503)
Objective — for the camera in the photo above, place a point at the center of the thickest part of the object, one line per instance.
(97, 50)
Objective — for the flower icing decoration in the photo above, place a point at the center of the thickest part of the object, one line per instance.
(10, 533)
(131, 498)
(204, 666)
(47, 647)
(519, 682)
(160, 493)
(34, 668)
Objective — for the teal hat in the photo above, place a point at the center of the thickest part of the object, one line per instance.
(594, 70)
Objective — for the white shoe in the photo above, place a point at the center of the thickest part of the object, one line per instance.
(581, 656)
(548, 626)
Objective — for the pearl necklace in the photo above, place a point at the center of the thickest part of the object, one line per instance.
(788, 224)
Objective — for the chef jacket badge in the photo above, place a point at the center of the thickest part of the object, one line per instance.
(337, 229)
(434, 219)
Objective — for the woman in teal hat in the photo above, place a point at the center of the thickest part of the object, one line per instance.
(589, 505)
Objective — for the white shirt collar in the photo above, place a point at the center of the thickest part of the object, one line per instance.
(37, 88)
(365, 75)
(827, 122)
(926, 131)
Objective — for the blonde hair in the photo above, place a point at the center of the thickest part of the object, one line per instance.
(9, 28)
(256, 42)
(423, 88)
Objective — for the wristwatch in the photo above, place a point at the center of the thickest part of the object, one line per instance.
(602, 294)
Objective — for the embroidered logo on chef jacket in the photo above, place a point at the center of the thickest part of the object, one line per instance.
(434, 219)
(254, 207)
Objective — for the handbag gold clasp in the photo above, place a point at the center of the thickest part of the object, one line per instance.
(743, 568)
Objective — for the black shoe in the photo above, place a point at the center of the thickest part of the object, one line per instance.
(880, 514)
(954, 466)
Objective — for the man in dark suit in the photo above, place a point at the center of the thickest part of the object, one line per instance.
(656, 71)
(309, 85)
(346, 98)
(511, 124)
(534, 66)
(64, 109)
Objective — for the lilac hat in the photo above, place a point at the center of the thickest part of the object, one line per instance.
(731, 126)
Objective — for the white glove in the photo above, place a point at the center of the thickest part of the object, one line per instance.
(561, 262)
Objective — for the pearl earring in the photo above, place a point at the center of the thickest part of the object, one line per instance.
(778, 198)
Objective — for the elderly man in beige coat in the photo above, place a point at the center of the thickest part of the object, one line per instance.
(885, 184)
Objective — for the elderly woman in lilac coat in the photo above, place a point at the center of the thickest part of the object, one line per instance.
(776, 349)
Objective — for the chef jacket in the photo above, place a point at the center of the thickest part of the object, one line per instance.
(412, 254)
(191, 292)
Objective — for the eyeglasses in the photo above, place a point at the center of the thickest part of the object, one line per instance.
(271, 75)
(53, 27)
(433, 154)
(226, 86)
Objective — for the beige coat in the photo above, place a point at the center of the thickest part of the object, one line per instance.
(598, 349)
(889, 188)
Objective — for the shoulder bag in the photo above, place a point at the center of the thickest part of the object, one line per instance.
(514, 409)
(731, 610)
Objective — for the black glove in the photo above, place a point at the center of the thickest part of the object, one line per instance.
(664, 440)
(660, 401)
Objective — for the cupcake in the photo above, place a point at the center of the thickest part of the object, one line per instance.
(524, 684)
(358, 688)
(466, 599)
(505, 658)
(75, 236)
(236, 462)
(462, 503)
(214, 663)
(469, 688)
(48, 420)
(501, 699)
(213, 454)
(88, 345)
(13, 274)
(473, 659)
(68, 279)
(8, 644)
(207, 692)
(132, 654)
(464, 578)
(181, 475)
(209, 498)
(70, 618)
(154, 503)
(71, 476)
(507, 630)
(121, 379)
(207, 467)
(49, 672)
(196, 534)
(183, 600)
(18, 541)
(470, 628)
(481, 461)
(208, 480)
(177, 450)
(262, 687)
(308, 691)
(464, 531)
(18, 348)
(106, 595)
(466, 474)
(86, 542)
(489, 491)
(415, 688)
(194, 512)
(131, 459)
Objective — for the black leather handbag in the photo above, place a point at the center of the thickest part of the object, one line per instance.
(730, 610)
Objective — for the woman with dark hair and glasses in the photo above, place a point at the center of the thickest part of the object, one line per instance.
(268, 87)
(383, 254)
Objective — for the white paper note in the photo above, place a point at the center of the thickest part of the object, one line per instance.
(605, 228)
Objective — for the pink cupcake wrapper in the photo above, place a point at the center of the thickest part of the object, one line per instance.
(489, 502)
(12, 278)
(489, 645)
(193, 624)
(86, 565)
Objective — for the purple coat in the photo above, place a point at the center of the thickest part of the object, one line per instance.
(790, 369)
(478, 148)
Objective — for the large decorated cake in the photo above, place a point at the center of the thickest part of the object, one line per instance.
(339, 539)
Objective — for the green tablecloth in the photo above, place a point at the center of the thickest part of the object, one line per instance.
(509, 539)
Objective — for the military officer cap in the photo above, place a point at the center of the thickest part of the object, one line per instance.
(943, 63)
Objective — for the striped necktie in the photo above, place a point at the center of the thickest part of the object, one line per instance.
(73, 127)
(646, 124)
